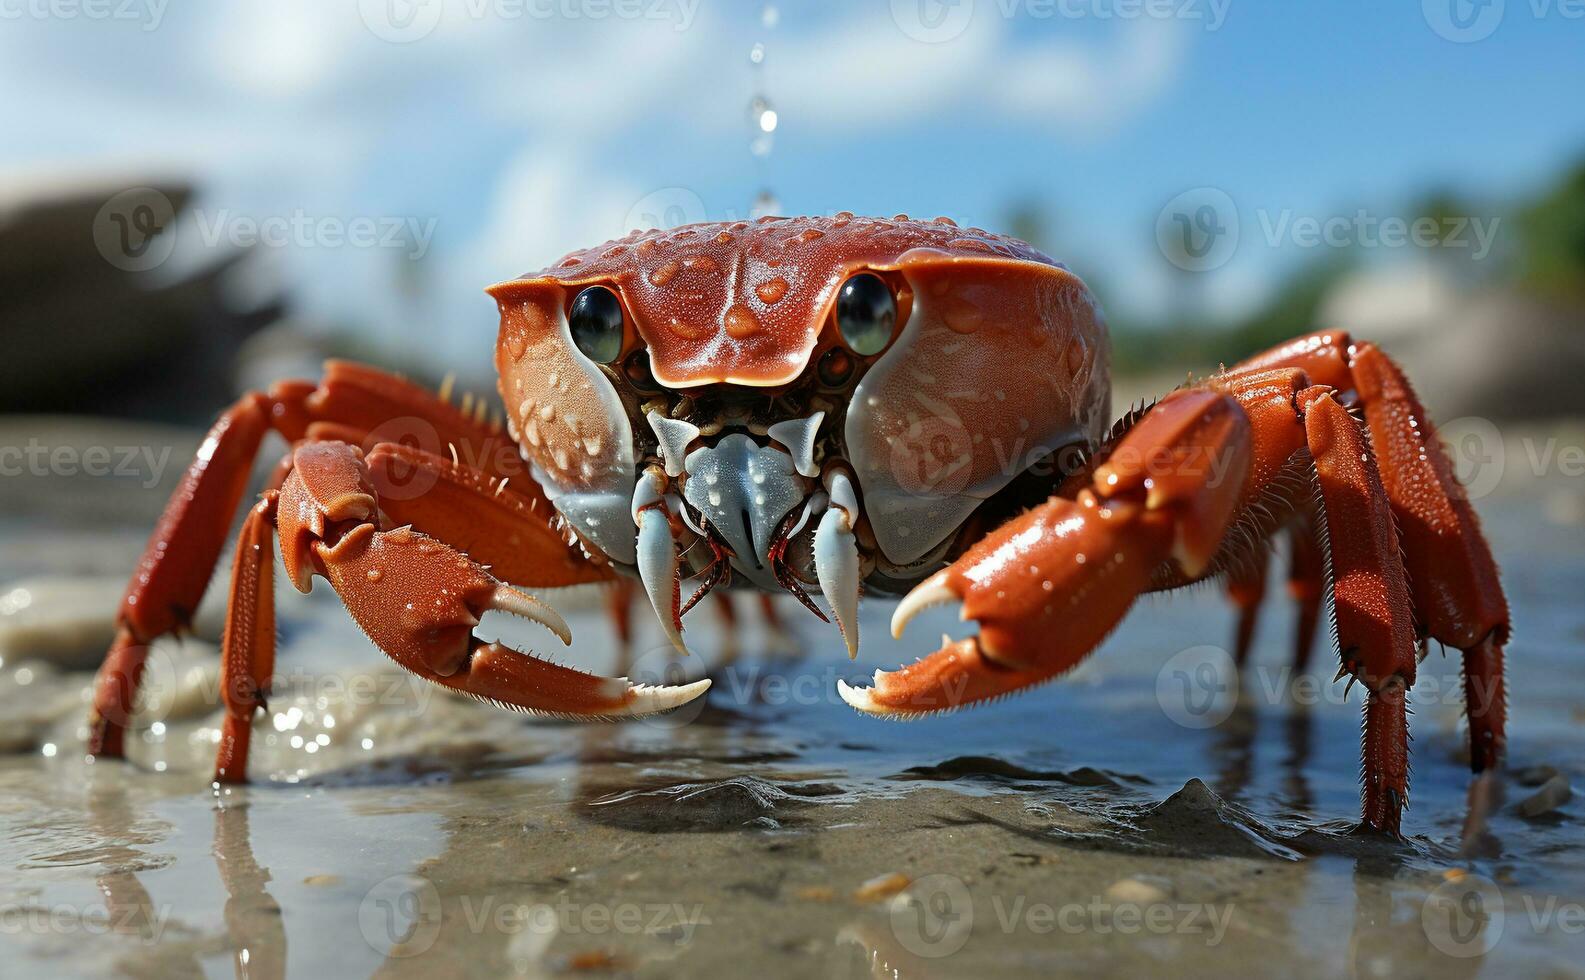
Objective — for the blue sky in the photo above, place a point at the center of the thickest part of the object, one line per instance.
(518, 129)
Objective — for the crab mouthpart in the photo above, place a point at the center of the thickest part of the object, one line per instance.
(837, 560)
(743, 491)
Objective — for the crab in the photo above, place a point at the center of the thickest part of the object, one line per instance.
(835, 406)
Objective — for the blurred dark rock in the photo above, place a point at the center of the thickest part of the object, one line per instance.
(94, 319)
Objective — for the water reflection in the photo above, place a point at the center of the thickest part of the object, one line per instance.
(253, 918)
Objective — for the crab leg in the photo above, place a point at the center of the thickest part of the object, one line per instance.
(1306, 587)
(1246, 587)
(487, 519)
(1457, 594)
(1370, 598)
(177, 564)
(247, 658)
(350, 401)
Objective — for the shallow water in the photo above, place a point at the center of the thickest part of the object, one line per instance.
(1130, 817)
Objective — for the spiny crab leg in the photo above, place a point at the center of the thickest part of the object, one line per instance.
(657, 557)
(837, 559)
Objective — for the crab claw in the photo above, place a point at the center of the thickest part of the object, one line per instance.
(837, 561)
(1037, 615)
(1046, 587)
(419, 599)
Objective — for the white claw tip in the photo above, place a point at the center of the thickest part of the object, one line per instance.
(858, 697)
(507, 599)
(648, 699)
(933, 591)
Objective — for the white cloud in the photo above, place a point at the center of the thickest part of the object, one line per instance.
(865, 69)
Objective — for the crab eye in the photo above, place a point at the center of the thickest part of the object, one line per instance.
(596, 324)
(866, 313)
(835, 368)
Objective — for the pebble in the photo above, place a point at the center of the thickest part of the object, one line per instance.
(1136, 891)
(1553, 793)
(882, 886)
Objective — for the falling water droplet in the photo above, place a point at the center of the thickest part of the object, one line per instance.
(765, 203)
(764, 115)
(763, 118)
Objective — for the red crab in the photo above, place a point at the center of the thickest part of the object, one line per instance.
(831, 404)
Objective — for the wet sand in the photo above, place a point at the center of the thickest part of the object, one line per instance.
(1141, 815)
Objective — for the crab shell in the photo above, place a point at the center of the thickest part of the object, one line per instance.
(1002, 357)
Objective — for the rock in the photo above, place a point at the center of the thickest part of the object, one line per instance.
(1552, 794)
(1535, 775)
